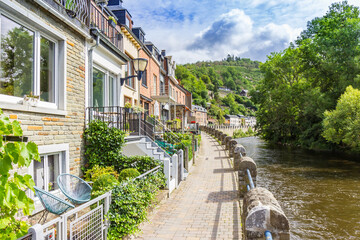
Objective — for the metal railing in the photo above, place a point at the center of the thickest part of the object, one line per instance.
(79, 9)
(86, 221)
(118, 117)
(100, 19)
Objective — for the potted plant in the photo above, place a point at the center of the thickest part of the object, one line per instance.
(112, 21)
(70, 6)
(102, 2)
(128, 107)
(138, 109)
(31, 100)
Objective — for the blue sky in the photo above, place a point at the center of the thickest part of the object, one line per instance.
(193, 30)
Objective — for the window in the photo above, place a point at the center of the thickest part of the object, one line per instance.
(144, 78)
(129, 71)
(104, 89)
(154, 85)
(29, 62)
(46, 172)
(170, 90)
(162, 85)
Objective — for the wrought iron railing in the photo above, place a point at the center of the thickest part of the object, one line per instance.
(79, 9)
(99, 18)
(118, 117)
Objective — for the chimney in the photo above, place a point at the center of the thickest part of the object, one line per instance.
(163, 53)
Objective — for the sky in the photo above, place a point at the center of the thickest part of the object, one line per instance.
(202, 30)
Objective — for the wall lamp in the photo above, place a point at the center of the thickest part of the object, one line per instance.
(140, 65)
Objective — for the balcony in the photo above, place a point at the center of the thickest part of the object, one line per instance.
(99, 18)
(78, 11)
(165, 94)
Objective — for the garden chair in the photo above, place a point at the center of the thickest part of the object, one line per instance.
(77, 190)
(51, 203)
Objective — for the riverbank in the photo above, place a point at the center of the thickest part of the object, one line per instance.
(317, 191)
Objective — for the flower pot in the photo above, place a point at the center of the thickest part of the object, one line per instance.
(112, 23)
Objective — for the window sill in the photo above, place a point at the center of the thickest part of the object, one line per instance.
(131, 88)
(24, 108)
(145, 86)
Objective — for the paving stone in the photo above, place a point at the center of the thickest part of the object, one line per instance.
(205, 206)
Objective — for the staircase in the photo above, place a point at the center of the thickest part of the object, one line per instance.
(144, 146)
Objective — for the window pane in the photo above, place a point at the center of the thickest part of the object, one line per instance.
(16, 59)
(47, 72)
(98, 88)
(112, 91)
(39, 173)
(53, 171)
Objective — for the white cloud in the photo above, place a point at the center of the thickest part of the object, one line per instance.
(210, 29)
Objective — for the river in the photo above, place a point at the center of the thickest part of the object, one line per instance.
(319, 192)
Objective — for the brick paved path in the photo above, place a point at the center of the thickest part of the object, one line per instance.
(205, 206)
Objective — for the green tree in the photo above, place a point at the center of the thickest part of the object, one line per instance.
(342, 125)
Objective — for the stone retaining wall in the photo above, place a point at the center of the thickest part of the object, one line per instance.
(261, 211)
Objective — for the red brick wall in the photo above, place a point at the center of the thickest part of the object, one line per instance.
(153, 69)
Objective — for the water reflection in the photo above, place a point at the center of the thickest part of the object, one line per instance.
(320, 193)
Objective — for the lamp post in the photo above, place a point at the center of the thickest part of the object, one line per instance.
(140, 65)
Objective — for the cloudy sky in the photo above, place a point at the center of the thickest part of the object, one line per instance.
(193, 30)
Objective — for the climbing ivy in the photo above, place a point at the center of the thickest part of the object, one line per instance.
(13, 186)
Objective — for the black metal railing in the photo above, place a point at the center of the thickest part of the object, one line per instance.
(118, 117)
(99, 18)
(78, 9)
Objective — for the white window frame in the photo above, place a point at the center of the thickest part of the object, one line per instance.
(63, 150)
(40, 29)
(106, 83)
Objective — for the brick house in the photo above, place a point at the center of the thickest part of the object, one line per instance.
(200, 115)
(53, 67)
(150, 80)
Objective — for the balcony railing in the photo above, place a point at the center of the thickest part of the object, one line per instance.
(164, 90)
(79, 9)
(100, 19)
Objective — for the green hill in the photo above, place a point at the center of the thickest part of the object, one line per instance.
(206, 79)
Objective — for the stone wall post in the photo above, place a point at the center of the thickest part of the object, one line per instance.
(244, 164)
(232, 145)
(238, 153)
(262, 212)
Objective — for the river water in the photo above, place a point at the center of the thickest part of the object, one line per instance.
(319, 192)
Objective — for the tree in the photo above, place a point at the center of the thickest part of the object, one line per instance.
(342, 125)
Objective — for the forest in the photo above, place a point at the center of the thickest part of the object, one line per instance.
(309, 96)
(217, 85)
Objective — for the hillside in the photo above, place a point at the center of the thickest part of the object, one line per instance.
(220, 83)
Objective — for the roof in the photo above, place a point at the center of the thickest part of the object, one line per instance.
(198, 108)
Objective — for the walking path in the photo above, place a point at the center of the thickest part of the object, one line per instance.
(205, 206)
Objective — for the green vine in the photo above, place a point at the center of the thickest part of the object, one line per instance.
(12, 187)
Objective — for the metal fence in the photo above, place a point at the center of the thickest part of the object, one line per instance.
(79, 9)
(86, 221)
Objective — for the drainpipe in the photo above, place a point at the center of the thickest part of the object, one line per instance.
(90, 63)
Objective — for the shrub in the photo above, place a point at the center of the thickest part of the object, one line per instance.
(103, 184)
(130, 202)
(103, 144)
(96, 171)
(128, 173)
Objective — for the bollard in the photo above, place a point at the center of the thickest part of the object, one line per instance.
(227, 140)
(223, 139)
(239, 152)
(245, 164)
(262, 212)
(232, 145)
